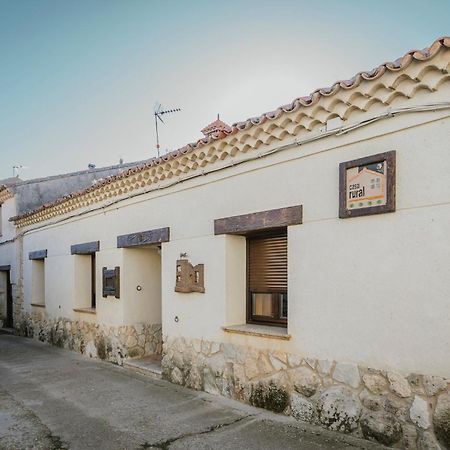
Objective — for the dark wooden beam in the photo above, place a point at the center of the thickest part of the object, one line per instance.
(144, 238)
(86, 248)
(259, 221)
(5, 268)
(38, 254)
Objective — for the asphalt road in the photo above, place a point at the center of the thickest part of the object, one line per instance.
(56, 399)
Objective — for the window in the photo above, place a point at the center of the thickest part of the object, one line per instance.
(85, 281)
(85, 275)
(38, 282)
(267, 301)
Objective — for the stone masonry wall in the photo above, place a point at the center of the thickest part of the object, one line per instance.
(94, 340)
(410, 412)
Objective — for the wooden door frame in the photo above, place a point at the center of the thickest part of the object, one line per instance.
(9, 323)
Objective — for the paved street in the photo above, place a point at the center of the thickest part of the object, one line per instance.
(56, 399)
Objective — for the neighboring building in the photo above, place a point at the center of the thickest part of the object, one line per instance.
(8, 257)
(241, 260)
(19, 197)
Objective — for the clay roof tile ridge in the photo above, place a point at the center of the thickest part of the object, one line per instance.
(305, 101)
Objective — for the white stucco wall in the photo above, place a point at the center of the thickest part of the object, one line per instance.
(38, 282)
(82, 280)
(10, 249)
(142, 268)
(3, 294)
(372, 290)
(7, 229)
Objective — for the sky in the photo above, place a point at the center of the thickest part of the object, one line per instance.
(79, 79)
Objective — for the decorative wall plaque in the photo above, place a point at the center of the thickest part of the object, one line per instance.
(189, 278)
(367, 186)
(111, 282)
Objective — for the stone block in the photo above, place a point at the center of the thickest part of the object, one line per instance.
(375, 383)
(381, 427)
(209, 380)
(324, 366)
(427, 442)
(348, 374)
(302, 409)
(276, 362)
(251, 368)
(206, 347)
(264, 365)
(294, 360)
(311, 362)
(371, 401)
(434, 385)
(197, 344)
(194, 379)
(409, 441)
(177, 376)
(441, 419)
(305, 380)
(399, 385)
(91, 350)
(215, 347)
(339, 409)
(269, 396)
(419, 413)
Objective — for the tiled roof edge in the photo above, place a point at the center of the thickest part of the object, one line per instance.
(310, 100)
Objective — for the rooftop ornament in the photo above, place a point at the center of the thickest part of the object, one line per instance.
(217, 129)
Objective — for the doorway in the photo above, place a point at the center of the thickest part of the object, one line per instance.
(142, 294)
(6, 300)
(142, 285)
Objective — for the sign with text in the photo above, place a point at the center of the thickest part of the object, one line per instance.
(367, 185)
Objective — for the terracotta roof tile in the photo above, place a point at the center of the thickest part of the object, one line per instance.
(305, 101)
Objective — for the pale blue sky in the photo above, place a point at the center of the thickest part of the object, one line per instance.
(78, 79)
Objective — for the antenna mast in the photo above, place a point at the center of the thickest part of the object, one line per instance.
(158, 112)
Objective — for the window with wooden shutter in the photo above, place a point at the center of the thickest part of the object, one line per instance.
(267, 279)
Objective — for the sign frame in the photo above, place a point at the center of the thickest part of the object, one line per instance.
(111, 282)
(389, 158)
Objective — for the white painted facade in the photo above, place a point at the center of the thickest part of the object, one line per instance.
(368, 329)
(373, 290)
(10, 256)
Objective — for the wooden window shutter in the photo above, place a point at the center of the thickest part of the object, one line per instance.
(268, 261)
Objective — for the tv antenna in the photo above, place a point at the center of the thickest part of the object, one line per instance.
(158, 112)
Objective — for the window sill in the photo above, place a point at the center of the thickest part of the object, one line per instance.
(259, 330)
(39, 305)
(86, 310)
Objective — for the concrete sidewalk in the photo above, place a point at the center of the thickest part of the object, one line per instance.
(52, 398)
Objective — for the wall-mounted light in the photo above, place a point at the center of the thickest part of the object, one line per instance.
(183, 255)
(139, 288)
(176, 318)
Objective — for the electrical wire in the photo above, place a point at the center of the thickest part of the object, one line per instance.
(339, 131)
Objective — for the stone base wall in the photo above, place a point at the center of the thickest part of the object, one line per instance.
(410, 412)
(94, 340)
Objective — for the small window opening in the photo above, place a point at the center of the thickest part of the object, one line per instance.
(267, 279)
